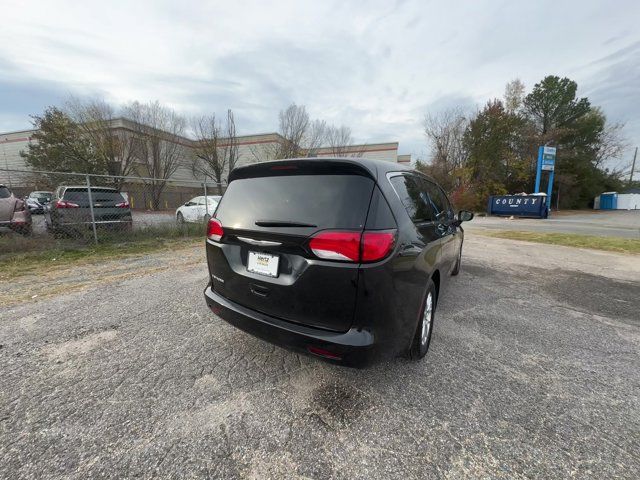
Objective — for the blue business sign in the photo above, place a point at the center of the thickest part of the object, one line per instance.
(548, 158)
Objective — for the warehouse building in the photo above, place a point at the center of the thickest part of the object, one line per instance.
(185, 182)
(251, 149)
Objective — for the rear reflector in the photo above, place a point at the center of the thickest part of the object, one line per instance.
(353, 246)
(343, 246)
(323, 353)
(214, 230)
(122, 205)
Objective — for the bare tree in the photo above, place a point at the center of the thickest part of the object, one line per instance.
(445, 132)
(299, 135)
(208, 161)
(315, 137)
(612, 145)
(216, 148)
(159, 132)
(340, 142)
(230, 143)
(294, 125)
(514, 95)
(114, 147)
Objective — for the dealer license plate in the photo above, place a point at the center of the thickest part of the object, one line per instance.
(263, 264)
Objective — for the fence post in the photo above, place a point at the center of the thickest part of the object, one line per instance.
(93, 218)
(206, 200)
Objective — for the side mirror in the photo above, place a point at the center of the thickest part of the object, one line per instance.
(465, 215)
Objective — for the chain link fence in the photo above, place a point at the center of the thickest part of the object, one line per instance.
(87, 208)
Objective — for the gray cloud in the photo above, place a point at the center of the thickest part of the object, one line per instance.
(377, 69)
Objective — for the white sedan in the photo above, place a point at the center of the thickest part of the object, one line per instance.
(198, 209)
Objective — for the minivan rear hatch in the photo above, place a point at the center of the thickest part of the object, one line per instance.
(268, 214)
(108, 205)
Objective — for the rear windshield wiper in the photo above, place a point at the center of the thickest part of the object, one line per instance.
(282, 223)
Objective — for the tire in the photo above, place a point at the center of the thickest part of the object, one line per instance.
(456, 269)
(180, 218)
(424, 329)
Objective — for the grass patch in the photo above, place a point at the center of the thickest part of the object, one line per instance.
(610, 244)
(30, 255)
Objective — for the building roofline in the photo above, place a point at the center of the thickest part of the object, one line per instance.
(30, 130)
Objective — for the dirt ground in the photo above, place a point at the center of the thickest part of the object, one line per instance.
(120, 370)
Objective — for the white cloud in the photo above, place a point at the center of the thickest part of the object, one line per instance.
(376, 66)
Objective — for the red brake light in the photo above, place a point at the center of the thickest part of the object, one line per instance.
(214, 230)
(122, 205)
(65, 204)
(336, 246)
(352, 246)
(284, 167)
(377, 245)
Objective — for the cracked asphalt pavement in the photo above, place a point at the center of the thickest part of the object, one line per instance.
(533, 372)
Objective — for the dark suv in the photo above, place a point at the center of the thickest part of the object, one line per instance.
(343, 259)
(70, 210)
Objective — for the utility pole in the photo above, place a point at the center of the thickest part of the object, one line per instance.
(633, 166)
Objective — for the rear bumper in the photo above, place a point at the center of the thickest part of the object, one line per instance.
(102, 224)
(354, 347)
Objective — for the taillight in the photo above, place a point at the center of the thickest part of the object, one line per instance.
(65, 204)
(214, 230)
(336, 246)
(122, 205)
(377, 245)
(353, 246)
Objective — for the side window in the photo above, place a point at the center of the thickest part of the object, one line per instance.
(413, 197)
(439, 201)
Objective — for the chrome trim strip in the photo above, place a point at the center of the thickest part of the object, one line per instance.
(262, 243)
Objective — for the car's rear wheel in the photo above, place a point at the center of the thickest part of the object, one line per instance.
(180, 218)
(424, 329)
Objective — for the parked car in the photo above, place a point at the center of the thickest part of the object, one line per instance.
(14, 213)
(196, 210)
(343, 259)
(70, 210)
(37, 201)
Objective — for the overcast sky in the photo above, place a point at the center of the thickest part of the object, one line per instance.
(375, 66)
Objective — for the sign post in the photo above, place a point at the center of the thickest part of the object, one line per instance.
(546, 162)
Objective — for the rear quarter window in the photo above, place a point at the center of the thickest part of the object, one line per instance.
(413, 197)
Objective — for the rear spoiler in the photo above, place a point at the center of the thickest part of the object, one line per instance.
(303, 166)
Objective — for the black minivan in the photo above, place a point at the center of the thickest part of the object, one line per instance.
(339, 258)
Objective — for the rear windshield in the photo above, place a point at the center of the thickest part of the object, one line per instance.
(97, 195)
(4, 192)
(40, 195)
(326, 201)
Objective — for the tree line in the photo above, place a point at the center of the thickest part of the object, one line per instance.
(83, 136)
(494, 150)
